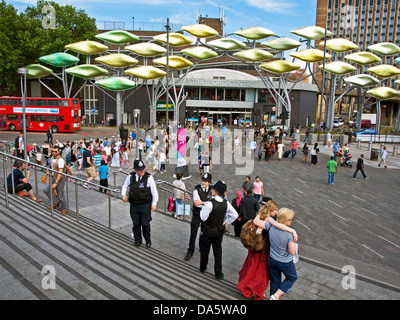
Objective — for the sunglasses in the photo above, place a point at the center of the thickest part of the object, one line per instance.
(52, 151)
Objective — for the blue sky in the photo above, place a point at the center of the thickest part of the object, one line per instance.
(280, 16)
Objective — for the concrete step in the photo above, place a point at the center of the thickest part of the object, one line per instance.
(90, 261)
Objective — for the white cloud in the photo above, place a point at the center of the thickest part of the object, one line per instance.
(274, 6)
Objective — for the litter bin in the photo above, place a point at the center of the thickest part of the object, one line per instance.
(113, 122)
(349, 135)
(374, 154)
(123, 133)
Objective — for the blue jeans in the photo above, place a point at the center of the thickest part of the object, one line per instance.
(331, 177)
(276, 269)
(294, 152)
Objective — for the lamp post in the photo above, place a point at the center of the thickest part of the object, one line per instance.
(167, 77)
(136, 115)
(23, 72)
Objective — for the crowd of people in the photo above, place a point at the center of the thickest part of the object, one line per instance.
(211, 210)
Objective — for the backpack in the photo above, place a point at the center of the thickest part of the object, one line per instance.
(250, 239)
(16, 142)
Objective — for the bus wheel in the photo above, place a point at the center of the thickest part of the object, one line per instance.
(12, 127)
(55, 129)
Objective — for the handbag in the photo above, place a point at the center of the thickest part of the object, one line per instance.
(171, 204)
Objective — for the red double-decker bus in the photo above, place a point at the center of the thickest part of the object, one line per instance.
(61, 114)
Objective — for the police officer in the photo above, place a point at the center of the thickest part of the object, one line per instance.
(216, 214)
(140, 190)
(201, 194)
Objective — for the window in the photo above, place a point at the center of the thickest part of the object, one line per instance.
(52, 103)
(3, 102)
(75, 101)
(41, 102)
(12, 102)
(64, 103)
(41, 118)
(52, 118)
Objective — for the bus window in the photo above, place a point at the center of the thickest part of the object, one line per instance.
(32, 118)
(75, 101)
(12, 117)
(41, 118)
(52, 118)
(12, 102)
(41, 102)
(61, 118)
(3, 102)
(31, 102)
(64, 103)
(52, 103)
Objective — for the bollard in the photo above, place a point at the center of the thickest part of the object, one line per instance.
(395, 150)
(358, 144)
(381, 148)
(369, 145)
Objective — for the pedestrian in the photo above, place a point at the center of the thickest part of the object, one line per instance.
(314, 154)
(294, 147)
(46, 153)
(201, 194)
(103, 173)
(200, 160)
(21, 182)
(115, 160)
(249, 207)
(383, 155)
(140, 148)
(259, 152)
(305, 153)
(328, 138)
(140, 190)
(267, 148)
(281, 149)
(162, 160)
(88, 165)
(207, 164)
(254, 274)
(67, 153)
(125, 159)
(236, 203)
(246, 185)
(97, 159)
(216, 214)
(282, 249)
(56, 180)
(19, 146)
(306, 139)
(258, 189)
(179, 195)
(49, 134)
(332, 169)
(360, 167)
(335, 149)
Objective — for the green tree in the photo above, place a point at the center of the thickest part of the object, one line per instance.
(24, 40)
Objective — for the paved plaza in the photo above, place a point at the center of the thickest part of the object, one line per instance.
(352, 223)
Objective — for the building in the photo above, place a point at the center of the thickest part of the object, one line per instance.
(364, 22)
(218, 89)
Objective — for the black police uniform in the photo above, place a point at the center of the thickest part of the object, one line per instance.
(196, 221)
(140, 198)
(212, 231)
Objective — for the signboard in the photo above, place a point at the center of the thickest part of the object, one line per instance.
(163, 106)
(36, 110)
(181, 154)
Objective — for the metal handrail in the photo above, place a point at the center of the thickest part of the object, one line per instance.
(36, 166)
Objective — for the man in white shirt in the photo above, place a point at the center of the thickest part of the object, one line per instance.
(140, 190)
(216, 214)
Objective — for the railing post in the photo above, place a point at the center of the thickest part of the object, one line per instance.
(5, 178)
(76, 200)
(109, 209)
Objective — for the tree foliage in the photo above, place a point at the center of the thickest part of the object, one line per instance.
(24, 40)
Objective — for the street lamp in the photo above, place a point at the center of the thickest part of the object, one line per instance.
(23, 72)
(136, 119)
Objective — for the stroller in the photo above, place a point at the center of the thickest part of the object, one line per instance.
(347, 160)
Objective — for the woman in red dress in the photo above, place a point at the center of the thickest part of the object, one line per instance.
(254, 276)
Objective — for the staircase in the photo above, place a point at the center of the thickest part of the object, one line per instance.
(90, 261)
